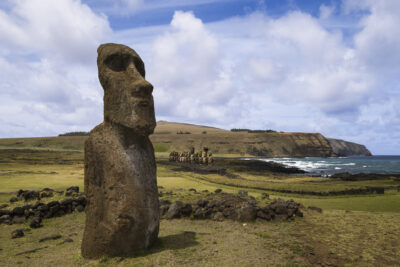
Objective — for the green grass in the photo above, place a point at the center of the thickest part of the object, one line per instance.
(351, 231)
(160, 148)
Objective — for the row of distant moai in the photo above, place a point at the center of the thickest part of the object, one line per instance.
(202, 157)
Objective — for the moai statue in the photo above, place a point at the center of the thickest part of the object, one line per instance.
(122, 212)
(191, 150)
(205, 151)
(210, 158)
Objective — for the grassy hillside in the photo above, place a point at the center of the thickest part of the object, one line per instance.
(170, 136)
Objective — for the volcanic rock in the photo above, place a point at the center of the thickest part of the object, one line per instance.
(122, 212)
(17, 233)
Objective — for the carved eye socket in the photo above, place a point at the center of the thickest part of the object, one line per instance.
(120, 62)
(117, 62)
(140, 67)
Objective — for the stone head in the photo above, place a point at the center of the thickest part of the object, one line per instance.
(128, 99)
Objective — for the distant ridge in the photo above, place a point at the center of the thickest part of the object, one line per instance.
(175, 136)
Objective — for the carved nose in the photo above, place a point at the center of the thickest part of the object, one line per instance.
(142, 89)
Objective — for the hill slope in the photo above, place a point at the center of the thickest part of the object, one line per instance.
(172, 136)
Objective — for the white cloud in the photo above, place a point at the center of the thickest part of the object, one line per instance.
(326, 12)
(47, 67)
(186, 70)
(291, 73)
(63, 29)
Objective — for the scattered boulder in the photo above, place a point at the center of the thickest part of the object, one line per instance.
(174, 210)
(52, 237)
(13, 199)
(219, 216)
(80, 208)
(67, 240)
(5, 219)
(247, 213)
(36, 222)
(45, 194)
(202, 203)
(17, 233)
(5, 212)
(72, 190)
(265, 214)
(186, 210)
(18, 211)
(28, 194)
(2, 206)
(218, 190)
(18, 219)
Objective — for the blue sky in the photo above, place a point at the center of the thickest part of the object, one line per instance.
(311, 66)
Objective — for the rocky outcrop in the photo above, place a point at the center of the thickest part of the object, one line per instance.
(344, 148)
(231, 207)
(38, 211)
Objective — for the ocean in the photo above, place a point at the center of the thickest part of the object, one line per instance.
(356, 164)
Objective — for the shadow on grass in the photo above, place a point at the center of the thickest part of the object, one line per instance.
(183, 240)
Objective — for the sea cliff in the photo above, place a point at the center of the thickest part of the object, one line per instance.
(344, 148)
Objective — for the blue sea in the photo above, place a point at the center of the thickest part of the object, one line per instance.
(329, 166)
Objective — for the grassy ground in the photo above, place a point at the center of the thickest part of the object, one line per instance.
(351, 231)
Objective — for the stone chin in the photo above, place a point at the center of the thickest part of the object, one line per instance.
(142, 122)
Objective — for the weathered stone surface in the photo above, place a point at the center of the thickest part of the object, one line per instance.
(6, 219)
(247, 213)
(122, 211)
(52, 237)
(174, 210)
(17, 233)
(18, 219)
(232, 207)
(36, 222)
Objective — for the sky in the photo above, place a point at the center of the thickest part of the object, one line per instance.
(331, 66)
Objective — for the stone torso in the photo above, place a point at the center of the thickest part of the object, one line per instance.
(121, 188)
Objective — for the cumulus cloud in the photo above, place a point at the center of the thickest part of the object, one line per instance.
(290, 72)
(186, 69)
(291, 59)
(47, 58)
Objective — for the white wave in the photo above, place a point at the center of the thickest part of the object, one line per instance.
(338, 168)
